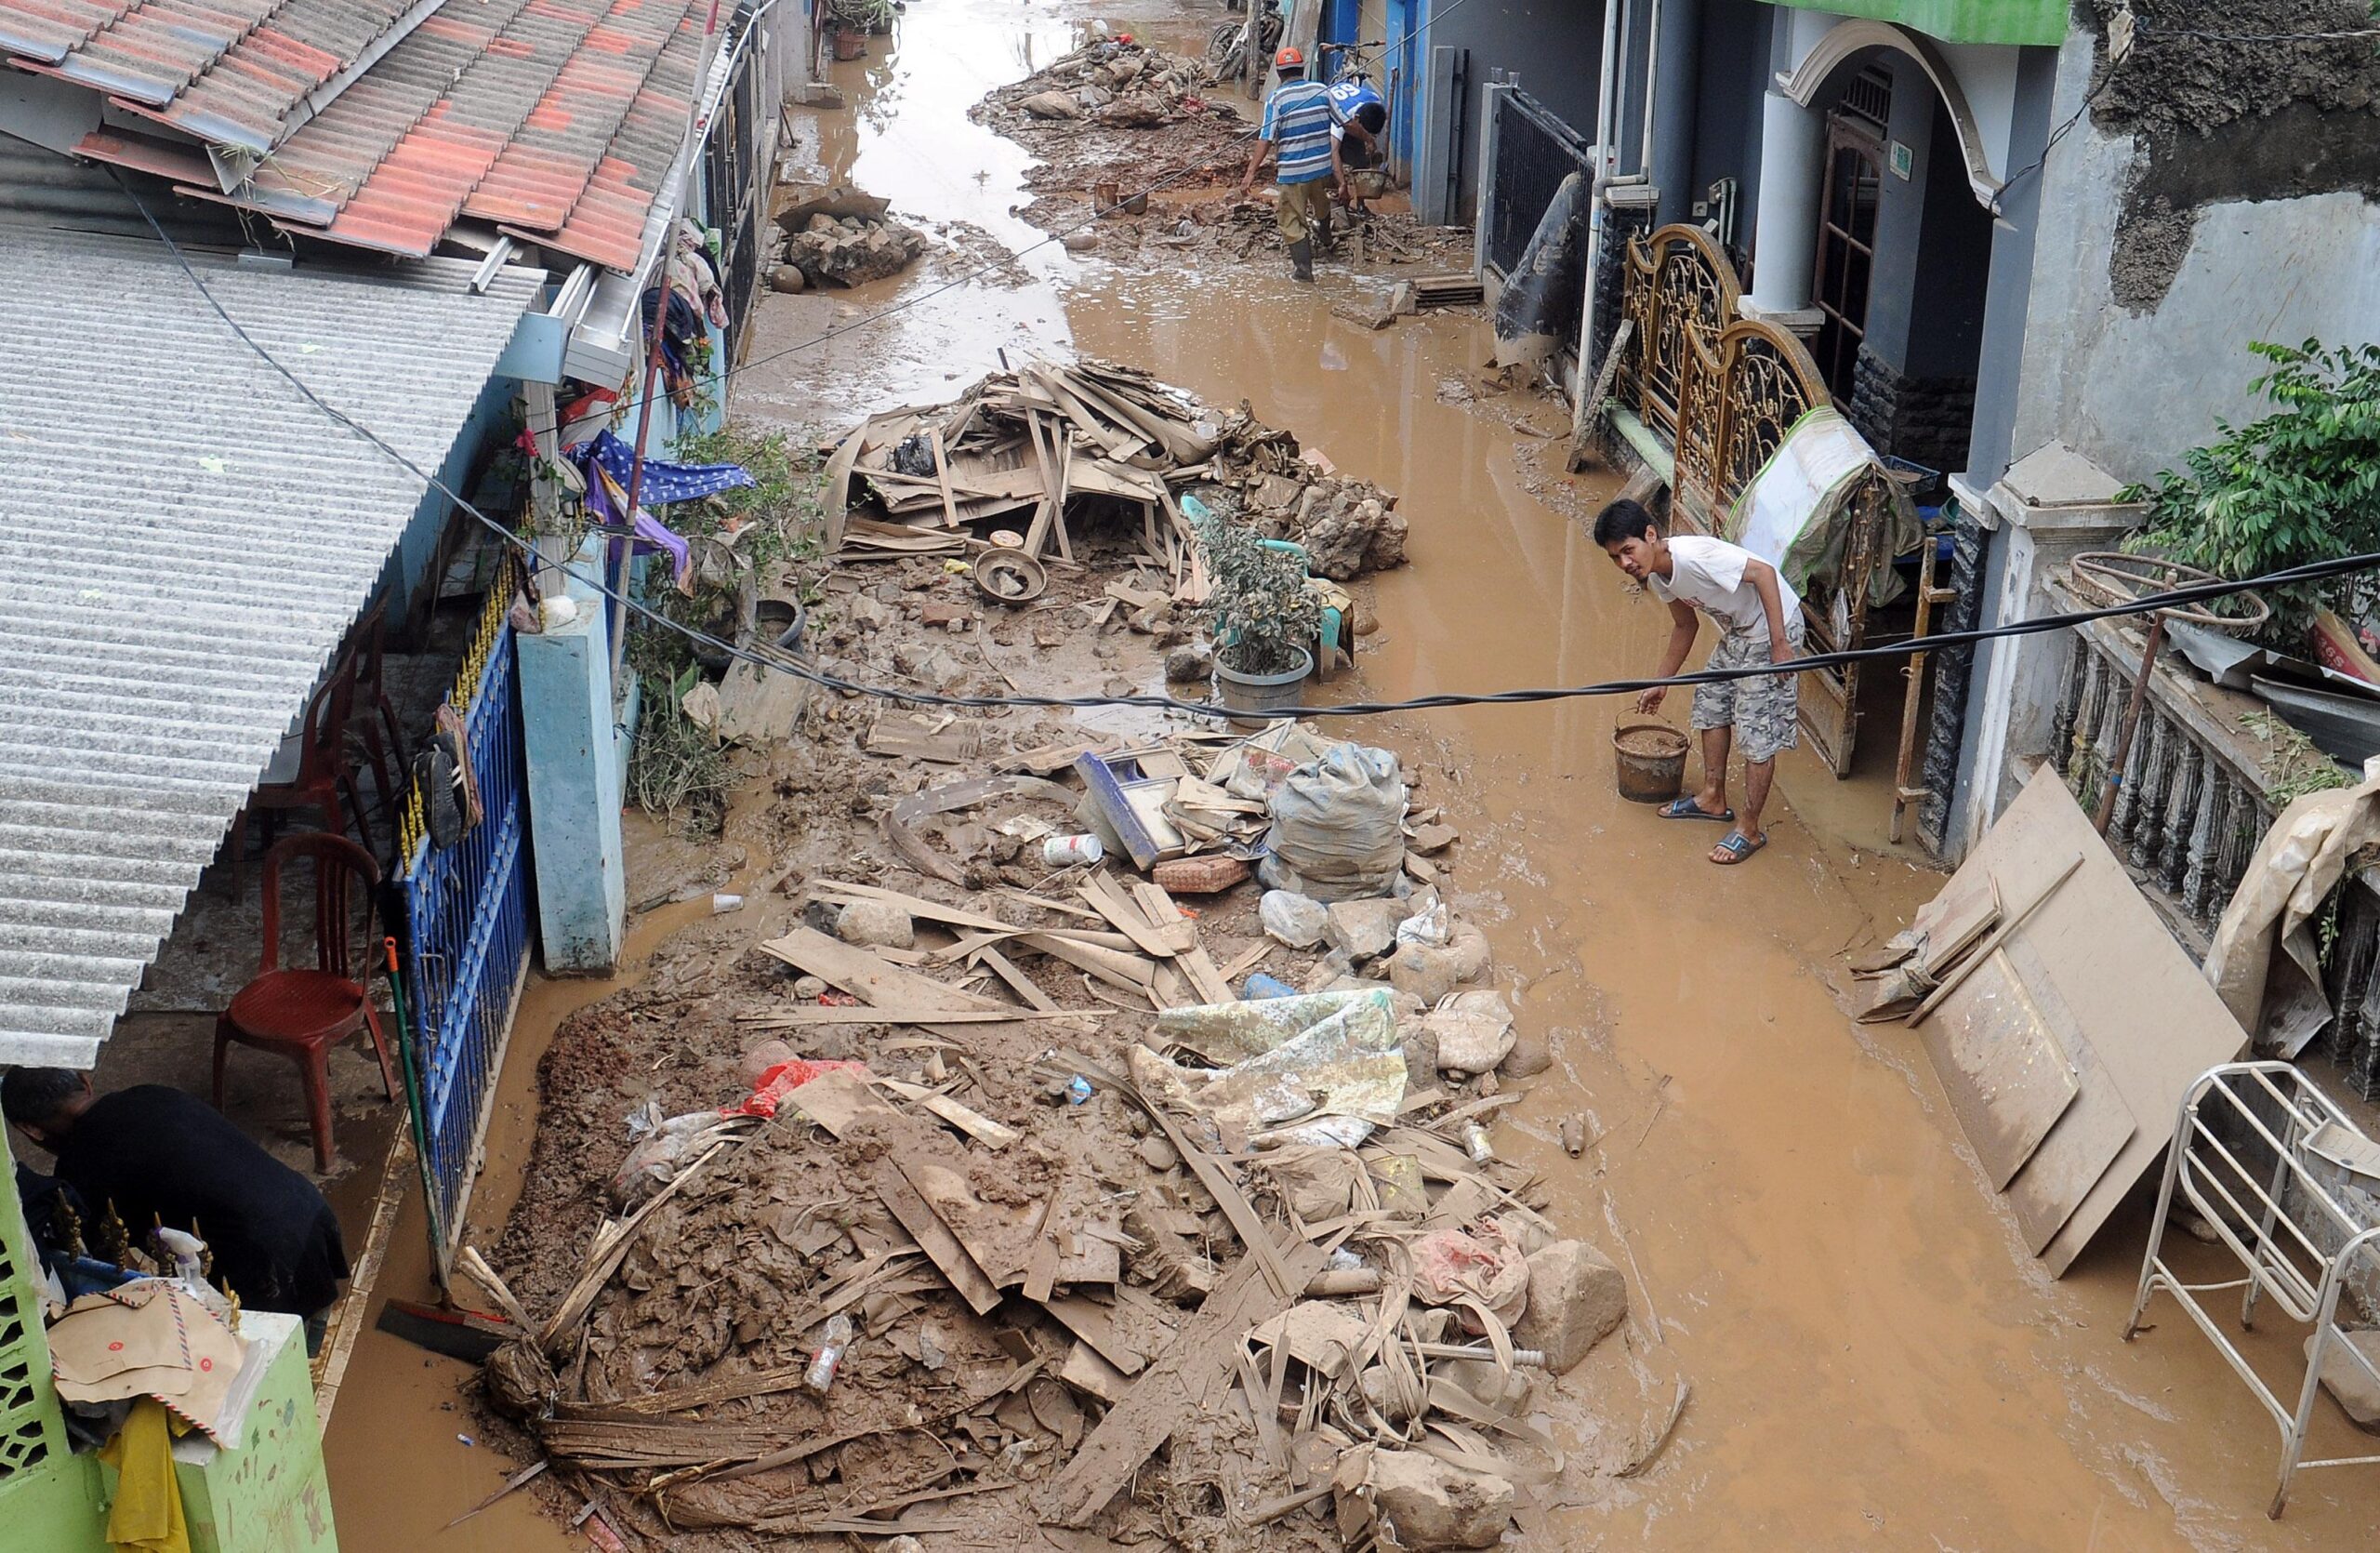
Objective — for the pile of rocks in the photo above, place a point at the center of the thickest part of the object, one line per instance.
(848, 250)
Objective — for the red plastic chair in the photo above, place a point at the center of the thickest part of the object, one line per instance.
(322, 776)
(302, 1013)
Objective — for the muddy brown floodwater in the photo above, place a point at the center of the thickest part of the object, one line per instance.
(1873, 1359)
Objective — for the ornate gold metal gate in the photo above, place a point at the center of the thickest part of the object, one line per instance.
(1720, 393)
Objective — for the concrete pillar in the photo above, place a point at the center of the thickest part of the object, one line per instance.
(1785, 230)
(571, 745)
(2050, 507)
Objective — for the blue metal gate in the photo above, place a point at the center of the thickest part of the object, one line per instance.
(467, 919)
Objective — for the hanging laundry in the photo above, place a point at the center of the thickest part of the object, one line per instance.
(663, 482)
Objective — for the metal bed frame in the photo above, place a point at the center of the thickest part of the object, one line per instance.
(2257, 1152)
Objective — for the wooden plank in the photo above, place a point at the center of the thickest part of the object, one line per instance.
(2003, 1066)
(865, 974)
(1128, 972)
(1086, 1371)
(1186, 1381)
(1021, 985)
(1037, 538)
(976, 1125)
(1103, 897)
(941, 478)
(2154, 1022)
(830, 1013)
(934, 1237)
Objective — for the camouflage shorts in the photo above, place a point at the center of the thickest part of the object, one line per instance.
(1762, 708)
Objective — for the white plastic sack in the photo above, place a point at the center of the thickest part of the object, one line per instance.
(1338, 826)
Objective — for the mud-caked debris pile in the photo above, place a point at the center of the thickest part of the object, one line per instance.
(1111, 82)
(1039, 1200)
(1117, 116)
(1032, 456)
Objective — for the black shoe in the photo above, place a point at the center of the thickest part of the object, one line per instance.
(1301, 260)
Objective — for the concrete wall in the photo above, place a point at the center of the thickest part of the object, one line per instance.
(1733, 71)
(2132, 385)
(1551, 49)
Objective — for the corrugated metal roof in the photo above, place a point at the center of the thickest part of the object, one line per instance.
(183, 543)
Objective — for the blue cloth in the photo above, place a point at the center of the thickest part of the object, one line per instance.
(663, 482)
(1297, 121)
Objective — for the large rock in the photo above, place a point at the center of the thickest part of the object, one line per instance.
(1052, 105)
(1427, 970)
(875, 922)
(2346, 1383)
(1574, 1297)
(1432, 1506)
(1364, 929)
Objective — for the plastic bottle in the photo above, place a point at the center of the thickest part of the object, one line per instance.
(833, 1340)
(1064, 852)
(1474, 1137)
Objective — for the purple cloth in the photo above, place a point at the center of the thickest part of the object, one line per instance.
(605, 500)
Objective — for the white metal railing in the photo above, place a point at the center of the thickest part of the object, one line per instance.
(2285, 1180)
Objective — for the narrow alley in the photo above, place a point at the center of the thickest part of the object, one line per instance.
(730, 701)
(1872, 1357)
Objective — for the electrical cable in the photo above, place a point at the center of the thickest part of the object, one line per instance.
(1941, 642)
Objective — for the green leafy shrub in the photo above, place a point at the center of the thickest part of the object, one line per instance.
(2299, 485)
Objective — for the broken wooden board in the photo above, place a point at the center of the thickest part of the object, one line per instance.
(1999, 1046)
(1189, 1379)
(976, 1125)
(876, 981)
(2154, 1024)
(909, 735)
(838, 1100)
(934, 1237)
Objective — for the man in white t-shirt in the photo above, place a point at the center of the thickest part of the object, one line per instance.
(1760, 622)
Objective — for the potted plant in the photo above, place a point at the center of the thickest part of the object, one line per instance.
(1261, 615)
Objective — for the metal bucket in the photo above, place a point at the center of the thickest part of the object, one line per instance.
(1650, 758)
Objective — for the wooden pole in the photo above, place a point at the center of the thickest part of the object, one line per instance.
(2130, 724)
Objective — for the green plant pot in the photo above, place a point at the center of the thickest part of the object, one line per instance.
(1259, 693)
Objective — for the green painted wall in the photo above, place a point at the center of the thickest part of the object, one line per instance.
(2039, 22)
(270, 1497)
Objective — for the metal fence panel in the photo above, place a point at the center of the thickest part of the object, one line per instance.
(467, 919)
(1534, 152)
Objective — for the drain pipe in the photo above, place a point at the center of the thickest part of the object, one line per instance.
(1652, 82)
(1608, 177)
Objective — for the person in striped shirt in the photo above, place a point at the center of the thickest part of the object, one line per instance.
(1297, 124)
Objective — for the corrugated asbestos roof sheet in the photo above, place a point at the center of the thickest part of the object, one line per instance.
(183, 543)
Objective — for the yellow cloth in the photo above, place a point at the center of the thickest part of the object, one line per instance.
(148, 1509)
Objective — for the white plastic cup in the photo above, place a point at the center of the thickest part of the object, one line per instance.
(1064, 852)
(722, 903)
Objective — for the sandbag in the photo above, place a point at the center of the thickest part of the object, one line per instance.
(1338, 826)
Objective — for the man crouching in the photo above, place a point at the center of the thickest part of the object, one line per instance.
(1759, 619)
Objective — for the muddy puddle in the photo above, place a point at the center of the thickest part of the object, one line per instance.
(1873, 1358)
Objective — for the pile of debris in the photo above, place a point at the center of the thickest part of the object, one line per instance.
(1117, 114)
(837, 235)
(1002, 1194)
(1041, 453)
(1224, 226)
(1113, 82)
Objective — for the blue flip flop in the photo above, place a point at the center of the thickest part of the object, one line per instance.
(1737, 846)
(1686, 808)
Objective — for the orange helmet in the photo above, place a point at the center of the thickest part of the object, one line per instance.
(1289, 59)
